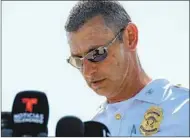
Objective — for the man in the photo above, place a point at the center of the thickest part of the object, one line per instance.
(103, 43)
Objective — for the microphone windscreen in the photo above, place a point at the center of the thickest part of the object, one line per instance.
(43, 134)
(6, 120)
(30, 113)
(70, 126)
(6, 124)
(95, 129)
(6, 132)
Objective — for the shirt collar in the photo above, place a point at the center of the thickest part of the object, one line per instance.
(155, 92)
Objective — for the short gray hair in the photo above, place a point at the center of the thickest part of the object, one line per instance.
(113, 13)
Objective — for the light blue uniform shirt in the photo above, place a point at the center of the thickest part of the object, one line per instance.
(125, 118)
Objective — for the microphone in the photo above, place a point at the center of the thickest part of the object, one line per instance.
(70, 126)
(6, 124)
(30, 113)
(95, 129)
(43, 134)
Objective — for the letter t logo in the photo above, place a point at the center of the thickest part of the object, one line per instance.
(29, 103)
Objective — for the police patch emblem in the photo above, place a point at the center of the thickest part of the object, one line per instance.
(152, 120)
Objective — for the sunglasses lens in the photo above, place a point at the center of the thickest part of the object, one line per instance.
(97, 55)
(76, 62)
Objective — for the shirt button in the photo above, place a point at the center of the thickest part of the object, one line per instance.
(117, 116)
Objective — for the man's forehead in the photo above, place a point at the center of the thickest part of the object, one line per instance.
(91, 35)
(88, 40)
(92, 27)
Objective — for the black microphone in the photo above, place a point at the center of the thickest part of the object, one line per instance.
(95, 129)
(69, 126)
(43, 134)
(6, 124)
(30, 113)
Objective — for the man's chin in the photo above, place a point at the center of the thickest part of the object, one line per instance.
(102, 91)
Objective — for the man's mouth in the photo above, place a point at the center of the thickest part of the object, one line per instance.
(95, 84)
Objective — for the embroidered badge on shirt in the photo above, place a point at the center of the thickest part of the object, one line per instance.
(152, 120)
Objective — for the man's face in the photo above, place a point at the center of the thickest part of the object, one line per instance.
(104, 77)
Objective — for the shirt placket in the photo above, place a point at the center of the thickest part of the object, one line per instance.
(117, 117)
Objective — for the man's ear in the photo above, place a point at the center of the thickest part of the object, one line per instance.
(130, 36)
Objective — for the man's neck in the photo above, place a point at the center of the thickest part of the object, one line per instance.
(131, 87)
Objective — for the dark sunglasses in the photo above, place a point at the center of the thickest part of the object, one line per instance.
(96, 55)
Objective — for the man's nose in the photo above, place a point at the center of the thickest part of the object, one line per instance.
(89, 68)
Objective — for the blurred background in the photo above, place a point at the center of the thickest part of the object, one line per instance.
(35, 49)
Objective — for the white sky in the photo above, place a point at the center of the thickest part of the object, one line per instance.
(35, 49)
